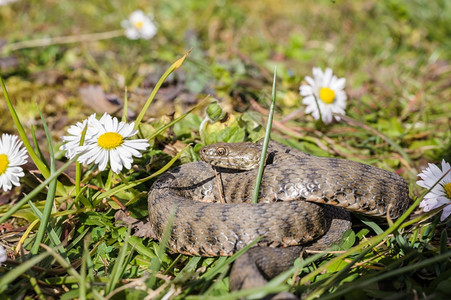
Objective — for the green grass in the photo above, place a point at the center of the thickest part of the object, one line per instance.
(395, 58)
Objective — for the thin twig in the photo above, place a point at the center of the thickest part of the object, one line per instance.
(220, 189)
(90, 37)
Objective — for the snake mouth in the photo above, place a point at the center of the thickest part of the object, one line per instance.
(203, 153)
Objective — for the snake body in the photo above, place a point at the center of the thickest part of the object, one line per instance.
(300, 198)
(284, 214)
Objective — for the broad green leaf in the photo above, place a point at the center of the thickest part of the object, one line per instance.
(348, 239)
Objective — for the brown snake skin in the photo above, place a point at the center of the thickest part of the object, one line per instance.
(290, 210)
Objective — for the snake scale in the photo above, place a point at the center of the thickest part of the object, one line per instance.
(303, 200)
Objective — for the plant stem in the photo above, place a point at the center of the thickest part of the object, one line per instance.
(266, 140)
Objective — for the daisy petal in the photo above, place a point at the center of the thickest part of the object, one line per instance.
(446, 212)
(139, 25)
(12, 156)
(440, 194)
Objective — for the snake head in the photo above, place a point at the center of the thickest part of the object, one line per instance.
(240, 156)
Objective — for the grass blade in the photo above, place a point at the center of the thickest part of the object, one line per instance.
(369, 244)
(77, 164)
(146, 106)
(125, 107)
(392, 143)
(82, 283)
(116, 273)
(211, 273)
(35, 285)
(129, 185)
(52, 234)
(362, 283)
(70, 269)
(20, 269)
(36, 146)
(161, 129)
(156, 260)
(266, 140)
(35, 191)
(37, 161)
(50, 193)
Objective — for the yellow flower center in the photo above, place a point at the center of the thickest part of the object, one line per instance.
(110, 140)
(139, 24)
(327, 95)
(4, 162)
(447, 188)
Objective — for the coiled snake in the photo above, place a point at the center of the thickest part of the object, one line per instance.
(302, 201)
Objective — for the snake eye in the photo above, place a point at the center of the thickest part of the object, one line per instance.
(221, 151)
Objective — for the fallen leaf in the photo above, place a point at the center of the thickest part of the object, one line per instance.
(94, 97)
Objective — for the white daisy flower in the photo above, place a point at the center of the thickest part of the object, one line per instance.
(329, 93)
(139, 25)
(441, 194)
(112, 144)
(12, 156)
(72, 140)
(6, 2)
(3, 255)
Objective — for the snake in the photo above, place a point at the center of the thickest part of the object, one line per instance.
(304, 201)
